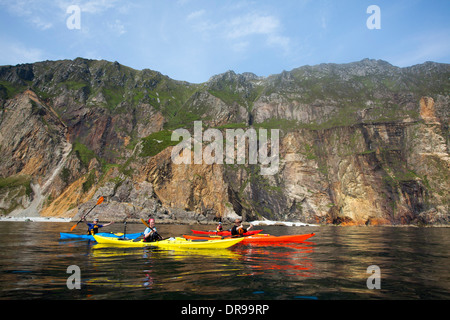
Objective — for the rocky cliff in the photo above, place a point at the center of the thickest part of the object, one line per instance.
(359, 143)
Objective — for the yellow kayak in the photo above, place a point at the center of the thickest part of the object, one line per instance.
(171, 243)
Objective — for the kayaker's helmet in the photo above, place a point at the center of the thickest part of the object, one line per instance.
(96, 220)
(151, 220)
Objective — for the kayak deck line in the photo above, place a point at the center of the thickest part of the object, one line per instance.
(177, 242)
(224, 233)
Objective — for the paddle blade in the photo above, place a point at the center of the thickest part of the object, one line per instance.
(100, 200)
(74, 226)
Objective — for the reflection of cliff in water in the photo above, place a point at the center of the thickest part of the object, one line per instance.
(290, 259)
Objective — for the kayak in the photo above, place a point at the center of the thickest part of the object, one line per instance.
(171, 243)
(224, 233)
(69, 236)
(261, 238)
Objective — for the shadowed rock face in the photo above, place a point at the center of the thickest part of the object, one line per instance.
(360, 143)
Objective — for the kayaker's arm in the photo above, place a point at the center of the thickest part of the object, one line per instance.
(105, 225)
(149, 231)
(154, 232)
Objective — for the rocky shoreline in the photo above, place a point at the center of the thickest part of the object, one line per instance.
(205, 222)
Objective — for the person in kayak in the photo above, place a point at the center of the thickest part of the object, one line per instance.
(94, 226)
(238, 229)
(219, 227)
(150, 233)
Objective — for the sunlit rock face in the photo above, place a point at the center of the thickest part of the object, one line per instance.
(359, 143)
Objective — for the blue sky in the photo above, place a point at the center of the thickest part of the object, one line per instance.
(193, 40)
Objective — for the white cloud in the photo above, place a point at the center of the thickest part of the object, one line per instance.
(97, 6)
(41, 24)
(117, 27)
(281, 41)
(252, 24)
(202, 24)
(196, 14)
(31, 11)
(14, 52)
(46, 14)
(240, 30)
(19, 7)
(91, 6)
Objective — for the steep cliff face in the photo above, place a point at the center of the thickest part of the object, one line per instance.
(34, 151)
(360, 143)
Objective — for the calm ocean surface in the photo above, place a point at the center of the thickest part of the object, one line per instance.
(414, 264)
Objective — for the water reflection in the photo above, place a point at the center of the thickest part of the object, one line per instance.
(198, 272)
(179, 270)
(291, 259)
(413, 262)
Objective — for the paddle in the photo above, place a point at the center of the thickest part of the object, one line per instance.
(100, 200)
(125, 226)
(146, 224)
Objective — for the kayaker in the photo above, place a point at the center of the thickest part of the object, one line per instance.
(94, 226)
(219, 227)
(238, 229)
(150, 233)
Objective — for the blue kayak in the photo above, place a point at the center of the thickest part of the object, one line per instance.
(69, 236)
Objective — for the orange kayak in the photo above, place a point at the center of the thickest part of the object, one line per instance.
(260, 238)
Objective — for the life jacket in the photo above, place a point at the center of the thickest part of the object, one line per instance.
(154, 236)
(93, 230)
(236, 231)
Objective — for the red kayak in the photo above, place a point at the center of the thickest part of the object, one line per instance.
(262, 238)
(224, 233)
